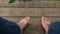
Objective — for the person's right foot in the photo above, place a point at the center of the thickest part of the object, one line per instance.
(45, 23)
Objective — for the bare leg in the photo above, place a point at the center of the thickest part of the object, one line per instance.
(45, 23)
(23, 23)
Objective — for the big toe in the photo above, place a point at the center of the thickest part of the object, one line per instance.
(24, 22)
(45, 20)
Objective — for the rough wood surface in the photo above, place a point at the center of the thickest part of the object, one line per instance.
(35, 9)
(34, 26)
(29, 11)
(31, 4)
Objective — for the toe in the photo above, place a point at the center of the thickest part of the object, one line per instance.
(24, 22)
(42, 19)
(45, 20)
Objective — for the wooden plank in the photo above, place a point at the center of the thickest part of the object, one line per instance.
(52, 0)
(35, 24)
(19, 12)
(33, 20)
(38, 28)
(34, 12)
(34, 4)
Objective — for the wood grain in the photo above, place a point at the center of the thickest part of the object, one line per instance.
(31, 4)
(30, 12)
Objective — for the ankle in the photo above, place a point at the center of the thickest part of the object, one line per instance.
(46, 32)
(21, 31)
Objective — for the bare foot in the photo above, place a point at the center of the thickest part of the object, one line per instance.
(45, 23)
(23, 23)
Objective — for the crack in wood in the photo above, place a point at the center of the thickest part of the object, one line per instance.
(25, 7)
(31, 16)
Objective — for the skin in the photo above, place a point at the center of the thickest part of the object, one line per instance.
(45, 23)
(44, 20)
(23, 23)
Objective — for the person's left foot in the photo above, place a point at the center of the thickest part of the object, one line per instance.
(23, 23)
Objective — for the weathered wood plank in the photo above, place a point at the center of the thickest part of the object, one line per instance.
(30, 12)
(34, 4)
(35, 24)
(19, 12)
(33, 20)
(16, 19)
